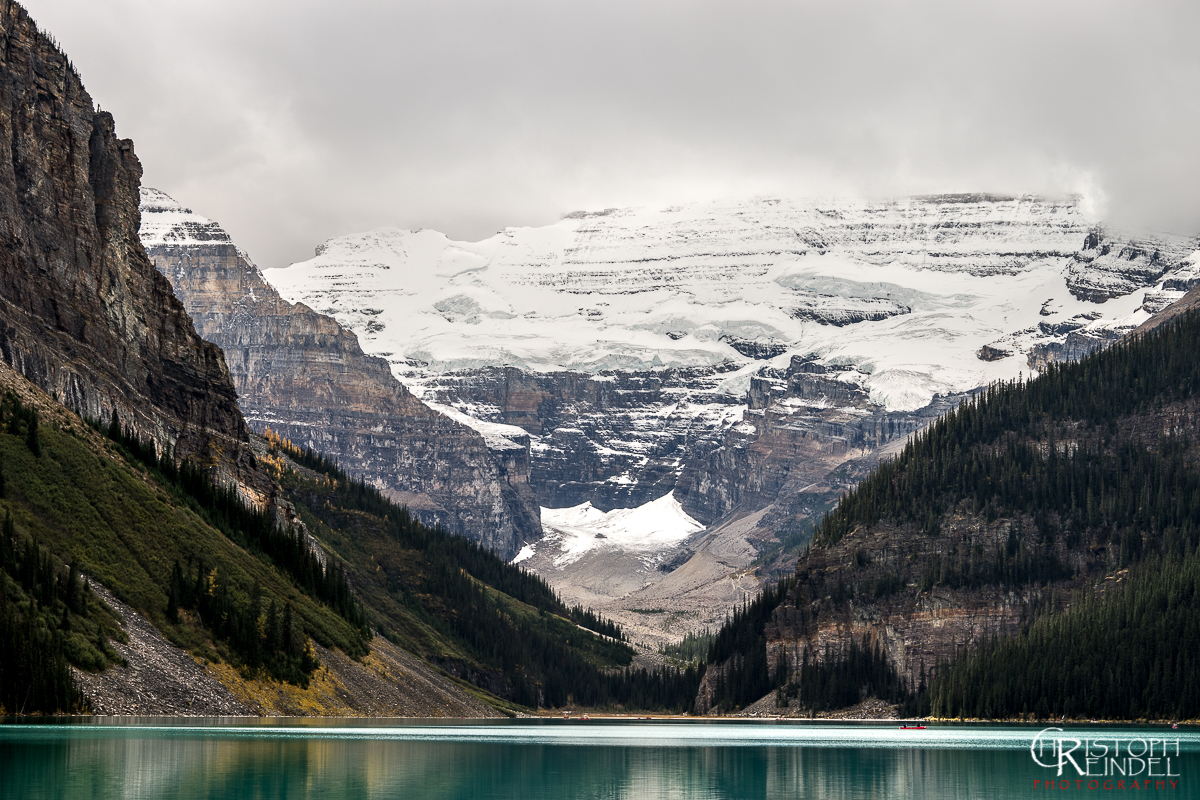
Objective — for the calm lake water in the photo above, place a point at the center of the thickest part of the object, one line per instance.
(531, 760)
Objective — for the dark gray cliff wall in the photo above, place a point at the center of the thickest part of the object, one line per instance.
(304, 376)
(83, 313)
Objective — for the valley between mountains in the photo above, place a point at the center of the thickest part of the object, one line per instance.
(926, 455)
(686, 390)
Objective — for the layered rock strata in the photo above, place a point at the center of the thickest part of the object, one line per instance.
(807, 435)
(83, 313)
(923, 594)
(616, 338)
(617, 439)
(303, 375)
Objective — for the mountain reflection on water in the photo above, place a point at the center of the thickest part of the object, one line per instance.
(530, 762)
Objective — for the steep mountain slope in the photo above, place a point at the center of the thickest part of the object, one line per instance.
(753, 359)
(76, 497)
(1188, 302)
(1001, 512)
(84, 314)
(150, 542)
(304, 376)
(198, 608)
(909, 290)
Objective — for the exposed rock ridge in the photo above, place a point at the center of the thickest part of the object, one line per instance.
(910, 590)
(1111, 264)
(305, 376)
(1189, 301)
(83, 313)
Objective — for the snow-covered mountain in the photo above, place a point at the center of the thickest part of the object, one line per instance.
(907, 290)
(750, 359)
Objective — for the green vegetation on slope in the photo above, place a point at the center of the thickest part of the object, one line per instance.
(464, 608)
(47, 618)
(1017, 447)
(692, 648)
(741, 647)
(1128, 652)
(252, 528)
(221, 580)
(78, 500)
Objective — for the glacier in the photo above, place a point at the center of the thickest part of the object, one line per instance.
(907, 290)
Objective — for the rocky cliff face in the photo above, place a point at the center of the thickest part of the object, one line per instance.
(305, 376)
(628, 342)
(870, 585)
(83, 313)
(808, 434)
(977, 568)
(617, 439)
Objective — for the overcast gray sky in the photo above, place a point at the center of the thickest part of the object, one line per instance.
(294, 121)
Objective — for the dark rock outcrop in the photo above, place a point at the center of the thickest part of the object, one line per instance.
(1111, 264)
(1075, 346)
(83, 313)
(303, 375)
(1188, 302)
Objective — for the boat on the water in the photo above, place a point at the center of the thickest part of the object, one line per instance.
(912, 727)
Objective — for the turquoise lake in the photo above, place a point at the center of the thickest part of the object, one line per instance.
(531, 760)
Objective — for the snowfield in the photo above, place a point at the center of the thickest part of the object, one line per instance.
(572, 533)
(907, 291)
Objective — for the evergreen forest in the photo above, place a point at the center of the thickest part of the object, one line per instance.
(1095, 463)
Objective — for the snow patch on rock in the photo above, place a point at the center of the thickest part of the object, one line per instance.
(659, 525)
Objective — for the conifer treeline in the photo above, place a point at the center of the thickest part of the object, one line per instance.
(223, 508)
(842, 679)
(247, 626)
(1130, 652)
(35, 612)
(34, 677)
(542, 662)
(263, 636)
(478, 561)
(1059, 451)
(692, 647)
(742, 643)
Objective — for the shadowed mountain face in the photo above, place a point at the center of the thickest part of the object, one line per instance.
(83, 313)
(305, 376)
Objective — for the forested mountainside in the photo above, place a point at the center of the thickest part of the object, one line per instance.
(187, 556)
(1033, 552)
(259, 604)
(628, 342)
(753, 358)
